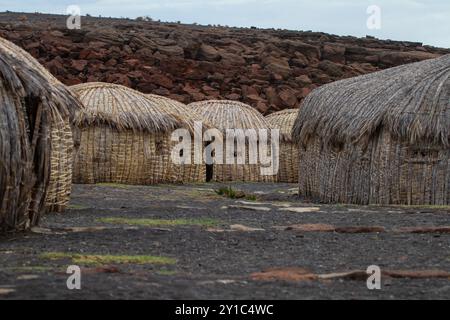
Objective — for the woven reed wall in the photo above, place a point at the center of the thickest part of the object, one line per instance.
(387, 172)
(60, 186)
(240, 172)
(36, 111)
(284, 121)
(62, 152)
(110, 156)
(186, 173)
(223, 115)
(289, 170)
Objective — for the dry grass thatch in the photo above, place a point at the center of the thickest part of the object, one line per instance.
(382, 138)
(410, 101)
(123, 109)
(125, 136)
(188, 172)
(284, 121)
(22, 55)
(62, 138)
(29, 104)
(223, 115)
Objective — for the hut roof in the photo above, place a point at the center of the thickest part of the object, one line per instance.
(29, 103)
(123, 109)
(224, 114)
(283, 120)
(412, 102)
(14, 50)
(176, 107)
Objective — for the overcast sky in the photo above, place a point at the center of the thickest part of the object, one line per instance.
(413, 20)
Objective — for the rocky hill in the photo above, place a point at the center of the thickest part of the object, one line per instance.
(267, 68)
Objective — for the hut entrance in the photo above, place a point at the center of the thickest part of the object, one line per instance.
(209, 167)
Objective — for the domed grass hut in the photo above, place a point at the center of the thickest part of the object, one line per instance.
(223, 115)
(381, 138)
(284, 121)
(29, 105)
(125, 136)
(189, 172)
(63, 133)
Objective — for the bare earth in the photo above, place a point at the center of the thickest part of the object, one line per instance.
(187, 242)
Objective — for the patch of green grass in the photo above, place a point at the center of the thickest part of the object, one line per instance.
(32, 269)
(251, 197)
(114, 185)
(229, 192)
(205, 222)
(77, 207)
(108, 259)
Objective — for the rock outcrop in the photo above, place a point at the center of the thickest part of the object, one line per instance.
(269, 69)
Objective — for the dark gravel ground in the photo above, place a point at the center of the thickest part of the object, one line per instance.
(218, 262)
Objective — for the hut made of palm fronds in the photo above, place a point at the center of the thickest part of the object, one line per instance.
(223, 115)
(29, 105)
(381, 138)
(125, 136)
(189, 172)
(63, 134)
(284, 121)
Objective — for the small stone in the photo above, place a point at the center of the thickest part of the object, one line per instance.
(242, 228)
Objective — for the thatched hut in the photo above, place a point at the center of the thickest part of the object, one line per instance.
(223, 115)
(189, 172)
(284, 121)
(29, 105)
(125, 136)
(381, 138)
(63, 134)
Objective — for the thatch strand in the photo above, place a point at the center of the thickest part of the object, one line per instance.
(123, 109)
(411, 102)
(283, 120)
(188, 172)
(224, 115)
(29, 101)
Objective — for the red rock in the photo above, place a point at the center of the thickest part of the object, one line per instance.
(111, 63)
(278, 67)
(161, 80)
(303, 80)
(133, 63)
(119, 78)
(233, 96)
(334, 52)
(441, 229)
(262, 107)
(56, 66)
(304, 92)
(289, 98)
(208, 53)
(79, 65)
(331, 68)
(273, 97)
(171, 51)
(284, 274)
(353, 230)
